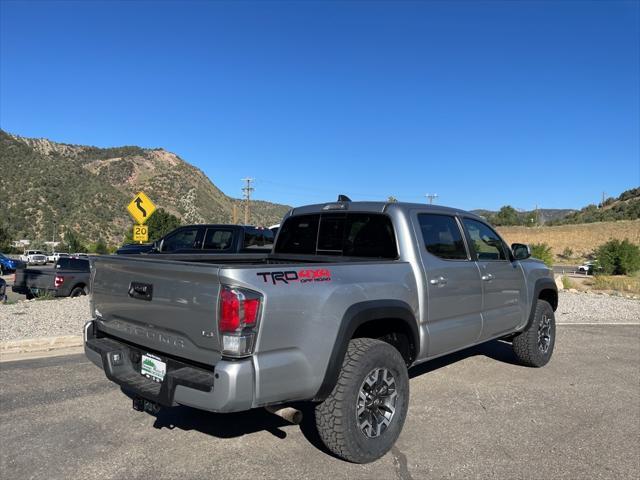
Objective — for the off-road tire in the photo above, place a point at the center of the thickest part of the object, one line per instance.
(336, 417)
(526, 345)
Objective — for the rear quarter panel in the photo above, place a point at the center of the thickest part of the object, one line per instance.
(300, 318)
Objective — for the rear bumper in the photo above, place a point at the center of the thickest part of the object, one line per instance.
(228, 387)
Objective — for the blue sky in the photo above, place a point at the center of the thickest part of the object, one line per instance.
(484, 103)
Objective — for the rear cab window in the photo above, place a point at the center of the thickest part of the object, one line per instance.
(369, 235)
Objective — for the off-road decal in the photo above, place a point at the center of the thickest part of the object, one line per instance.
(302, 276)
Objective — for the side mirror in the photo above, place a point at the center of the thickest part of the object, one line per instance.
(521, 251)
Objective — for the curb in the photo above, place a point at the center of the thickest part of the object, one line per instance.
(39, 345)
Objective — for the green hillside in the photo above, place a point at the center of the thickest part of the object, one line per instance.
(86, 189)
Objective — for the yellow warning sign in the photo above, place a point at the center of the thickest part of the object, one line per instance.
(141, 208)
(140, 233)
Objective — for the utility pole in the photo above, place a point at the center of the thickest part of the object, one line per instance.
(431, 197)
(246, 194)
(235, 212)
(602, 204)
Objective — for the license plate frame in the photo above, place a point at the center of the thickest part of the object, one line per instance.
(153, 367)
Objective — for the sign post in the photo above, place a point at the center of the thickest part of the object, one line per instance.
(140, 209)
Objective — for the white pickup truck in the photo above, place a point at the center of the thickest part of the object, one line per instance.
(34, 257)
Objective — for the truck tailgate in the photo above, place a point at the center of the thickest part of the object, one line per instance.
(166, 306)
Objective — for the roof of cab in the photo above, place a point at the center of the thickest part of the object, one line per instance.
(375, 207)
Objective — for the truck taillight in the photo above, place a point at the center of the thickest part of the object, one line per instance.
(59, 280)
(238, 320)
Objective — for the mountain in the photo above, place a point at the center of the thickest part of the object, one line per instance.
(624, 207)
(49, 187)
(544, 215)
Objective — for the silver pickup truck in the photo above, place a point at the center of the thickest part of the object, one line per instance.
(352, 295)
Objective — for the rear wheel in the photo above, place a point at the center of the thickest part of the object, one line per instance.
(78, 291)
(364, 414)
(534, 346)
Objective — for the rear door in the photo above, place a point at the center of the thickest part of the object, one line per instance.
(504, 295)
(168, 306)
(454, 292)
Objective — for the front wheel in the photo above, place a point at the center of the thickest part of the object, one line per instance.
(363, 416)
(534, 346)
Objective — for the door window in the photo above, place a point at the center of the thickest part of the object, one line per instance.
(180, 240)
(442, 236)
(485, 241)
(217, 239)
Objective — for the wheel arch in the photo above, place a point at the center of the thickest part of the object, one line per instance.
(371, 319)
(544, 289)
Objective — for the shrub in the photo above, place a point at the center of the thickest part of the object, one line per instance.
(618, 257)
(543, 252)
(567, 252)
(566, 283)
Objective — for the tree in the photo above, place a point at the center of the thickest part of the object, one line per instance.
(159, 224)
(543, 252)
(99, 247)
(73, 242)
(506, 216)
(618, 257)
(5, 240)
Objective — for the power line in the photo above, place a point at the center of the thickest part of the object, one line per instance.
(246, 195)
(431, 197)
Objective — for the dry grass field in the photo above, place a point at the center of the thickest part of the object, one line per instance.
(582, 238)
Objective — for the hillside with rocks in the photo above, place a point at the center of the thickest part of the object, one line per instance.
(47, 186)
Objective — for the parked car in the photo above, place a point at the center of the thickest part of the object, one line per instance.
(55, 256)
(209, 239)
(353, 295)
(8, 265)
(69, 278)
(79, 255)
(135, 248)
(3, 291)
(34, 257)
(587, 268)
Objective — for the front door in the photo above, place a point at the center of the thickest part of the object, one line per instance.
(454, 292)
(504, 295)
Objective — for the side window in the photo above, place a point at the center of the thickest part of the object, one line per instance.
(250, 238)
(268, 238)
(442, 236)
(486, 242)
(217, 239)
(182, 239)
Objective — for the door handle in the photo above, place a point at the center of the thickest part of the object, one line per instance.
(440, 281)
(487, 278)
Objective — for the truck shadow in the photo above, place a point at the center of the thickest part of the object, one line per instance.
(232, 425)
(499, 350)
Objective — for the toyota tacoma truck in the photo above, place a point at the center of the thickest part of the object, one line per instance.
(352, 295)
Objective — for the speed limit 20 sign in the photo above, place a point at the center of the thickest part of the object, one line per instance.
(140, 233)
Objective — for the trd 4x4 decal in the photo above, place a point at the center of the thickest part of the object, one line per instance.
(302, 276)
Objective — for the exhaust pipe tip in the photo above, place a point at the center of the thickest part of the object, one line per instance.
(290, 414)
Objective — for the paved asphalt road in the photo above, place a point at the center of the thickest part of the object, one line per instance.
(474, 414)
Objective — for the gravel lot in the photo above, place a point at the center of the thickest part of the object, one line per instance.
(46, 318)
(43, 318)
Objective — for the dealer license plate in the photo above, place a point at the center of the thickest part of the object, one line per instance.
(153, 367)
